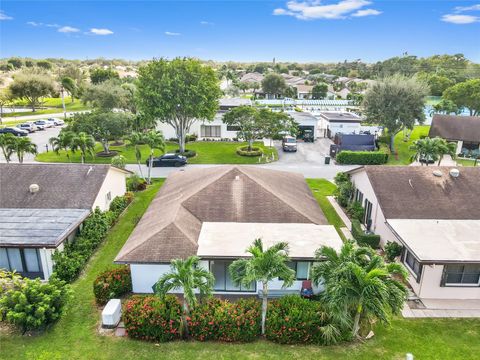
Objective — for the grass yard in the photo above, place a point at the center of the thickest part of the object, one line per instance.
(402, 147)
(208, 152)
(75, 335)
(53, 105)
(467, 162)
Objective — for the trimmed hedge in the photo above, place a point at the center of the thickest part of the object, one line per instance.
(347, 157)
(150, 318)
(243, 151)
(225, 321)
(112, 284)
(363, 239)
(293, 320)
(187, 153)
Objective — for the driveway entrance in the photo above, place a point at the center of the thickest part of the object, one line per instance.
(307, 153)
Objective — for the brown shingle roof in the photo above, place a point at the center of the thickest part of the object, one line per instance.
(62, 186)
(413, 192)
(171, 225)
(452, 127)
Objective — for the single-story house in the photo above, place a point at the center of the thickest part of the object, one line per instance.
(434, 212)
(44, 205)
(332, 122)
(304, 91)
(464, 130)
(216, 213)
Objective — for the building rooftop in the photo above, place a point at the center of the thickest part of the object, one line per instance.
(332, 116)
(453, 127)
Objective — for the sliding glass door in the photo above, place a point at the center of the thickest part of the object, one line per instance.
(223, 280)
(24, 261)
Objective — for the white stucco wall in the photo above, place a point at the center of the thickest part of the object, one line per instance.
(344, 128)
(115, 183)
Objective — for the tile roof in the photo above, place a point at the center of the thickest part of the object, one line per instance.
(453, 127)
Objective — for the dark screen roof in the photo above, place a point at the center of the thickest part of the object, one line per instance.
(452, 127)
(61, 186)
(413, 192)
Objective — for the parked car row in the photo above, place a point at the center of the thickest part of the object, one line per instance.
(31, 126)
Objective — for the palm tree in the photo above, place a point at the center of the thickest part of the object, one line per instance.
(359, 283)
(187, 276)
(424, 150)
(136, 138)
(154, 139)
(64, 141)
(22, 146)
(265, 265)
(444, 148)
(6, 144)
(83, 142)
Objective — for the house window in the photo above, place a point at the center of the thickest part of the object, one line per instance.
(109, 196)
(24, 261)
(462, 274)
(233, 128)
(358, 196)
(210, 131)
(413, 264)
(223, 280)
(301, 268)
(368, 213)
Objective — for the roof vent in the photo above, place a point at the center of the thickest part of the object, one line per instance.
(437, 173)
(90, 169)
(455, 173)
(33, 188)
(237, 177)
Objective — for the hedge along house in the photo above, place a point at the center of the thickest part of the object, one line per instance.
(464, 130)
(216, 213)
(434, 212)
(43, 205)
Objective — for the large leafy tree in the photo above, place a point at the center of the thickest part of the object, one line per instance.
(274, 84)
(465, 94)
(100, 75)
(154, 140)
(319, 91)
(276, 124)
(360, 284)
(32, 86)
(445, 106)
(5, 98)
(396, 102)
(187, 276)
(248, 122)
(264, 265)
(177, 93)
(107, 95)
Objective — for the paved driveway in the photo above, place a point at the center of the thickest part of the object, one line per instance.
(307, 153)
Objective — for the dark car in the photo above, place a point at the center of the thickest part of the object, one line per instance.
(14, 131)
(169, 160)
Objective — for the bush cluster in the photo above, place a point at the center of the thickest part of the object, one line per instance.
(393, 250)
(243, 151)
(293, 320)
(362, 238)
(150, 318)
(344, 190)
(112, 284)
(222, 320)
(33, 304)
(355, 210)
(187, 153)
(136, 183)
(347, 157)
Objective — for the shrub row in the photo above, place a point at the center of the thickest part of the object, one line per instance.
(69, 263)
(363, 239)
(243, 151)
(362, 157)
(112, 284)
(187, 153)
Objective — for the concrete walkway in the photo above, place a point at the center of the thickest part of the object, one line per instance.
(348, 224)
(435, 308)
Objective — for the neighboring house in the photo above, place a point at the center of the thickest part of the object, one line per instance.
(216, 213)
(43, 205)
(252, 77)
(464, 130)
(339, 122)
(304, 92)
(343, 94)
(307, 124)
(434, 212)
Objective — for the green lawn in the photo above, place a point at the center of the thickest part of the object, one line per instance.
(467, 162)
(208, 152)
(53, 105)
(75, 335)
(404, 154)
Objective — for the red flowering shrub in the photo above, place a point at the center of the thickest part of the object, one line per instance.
(150, 318)
(111, 284)
(293, 320)
(225, 321)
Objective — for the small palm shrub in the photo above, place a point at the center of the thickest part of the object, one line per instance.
(293, 320)
(152, 318)
(392, 250)
(112, 284)
(136, 183)
(225, 321)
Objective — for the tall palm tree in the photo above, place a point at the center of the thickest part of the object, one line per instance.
(136, 138)
(264, 265)
(187, 276)
(154, 140)
(22, 146)
(358, 282)
(6, 144)
(444, 148)
(83, 142)
(64, 141)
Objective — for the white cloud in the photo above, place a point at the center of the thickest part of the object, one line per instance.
(313, 9)
(33, 23)
(4, 16)
(95, 31)
(206, 23)
(460, 19)
(169, 33)
(468, 8)
(68, 29)
(366, 12)
(52, 25)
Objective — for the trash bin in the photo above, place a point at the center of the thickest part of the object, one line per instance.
(327, 159)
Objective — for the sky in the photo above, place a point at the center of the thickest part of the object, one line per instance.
(299, 30)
